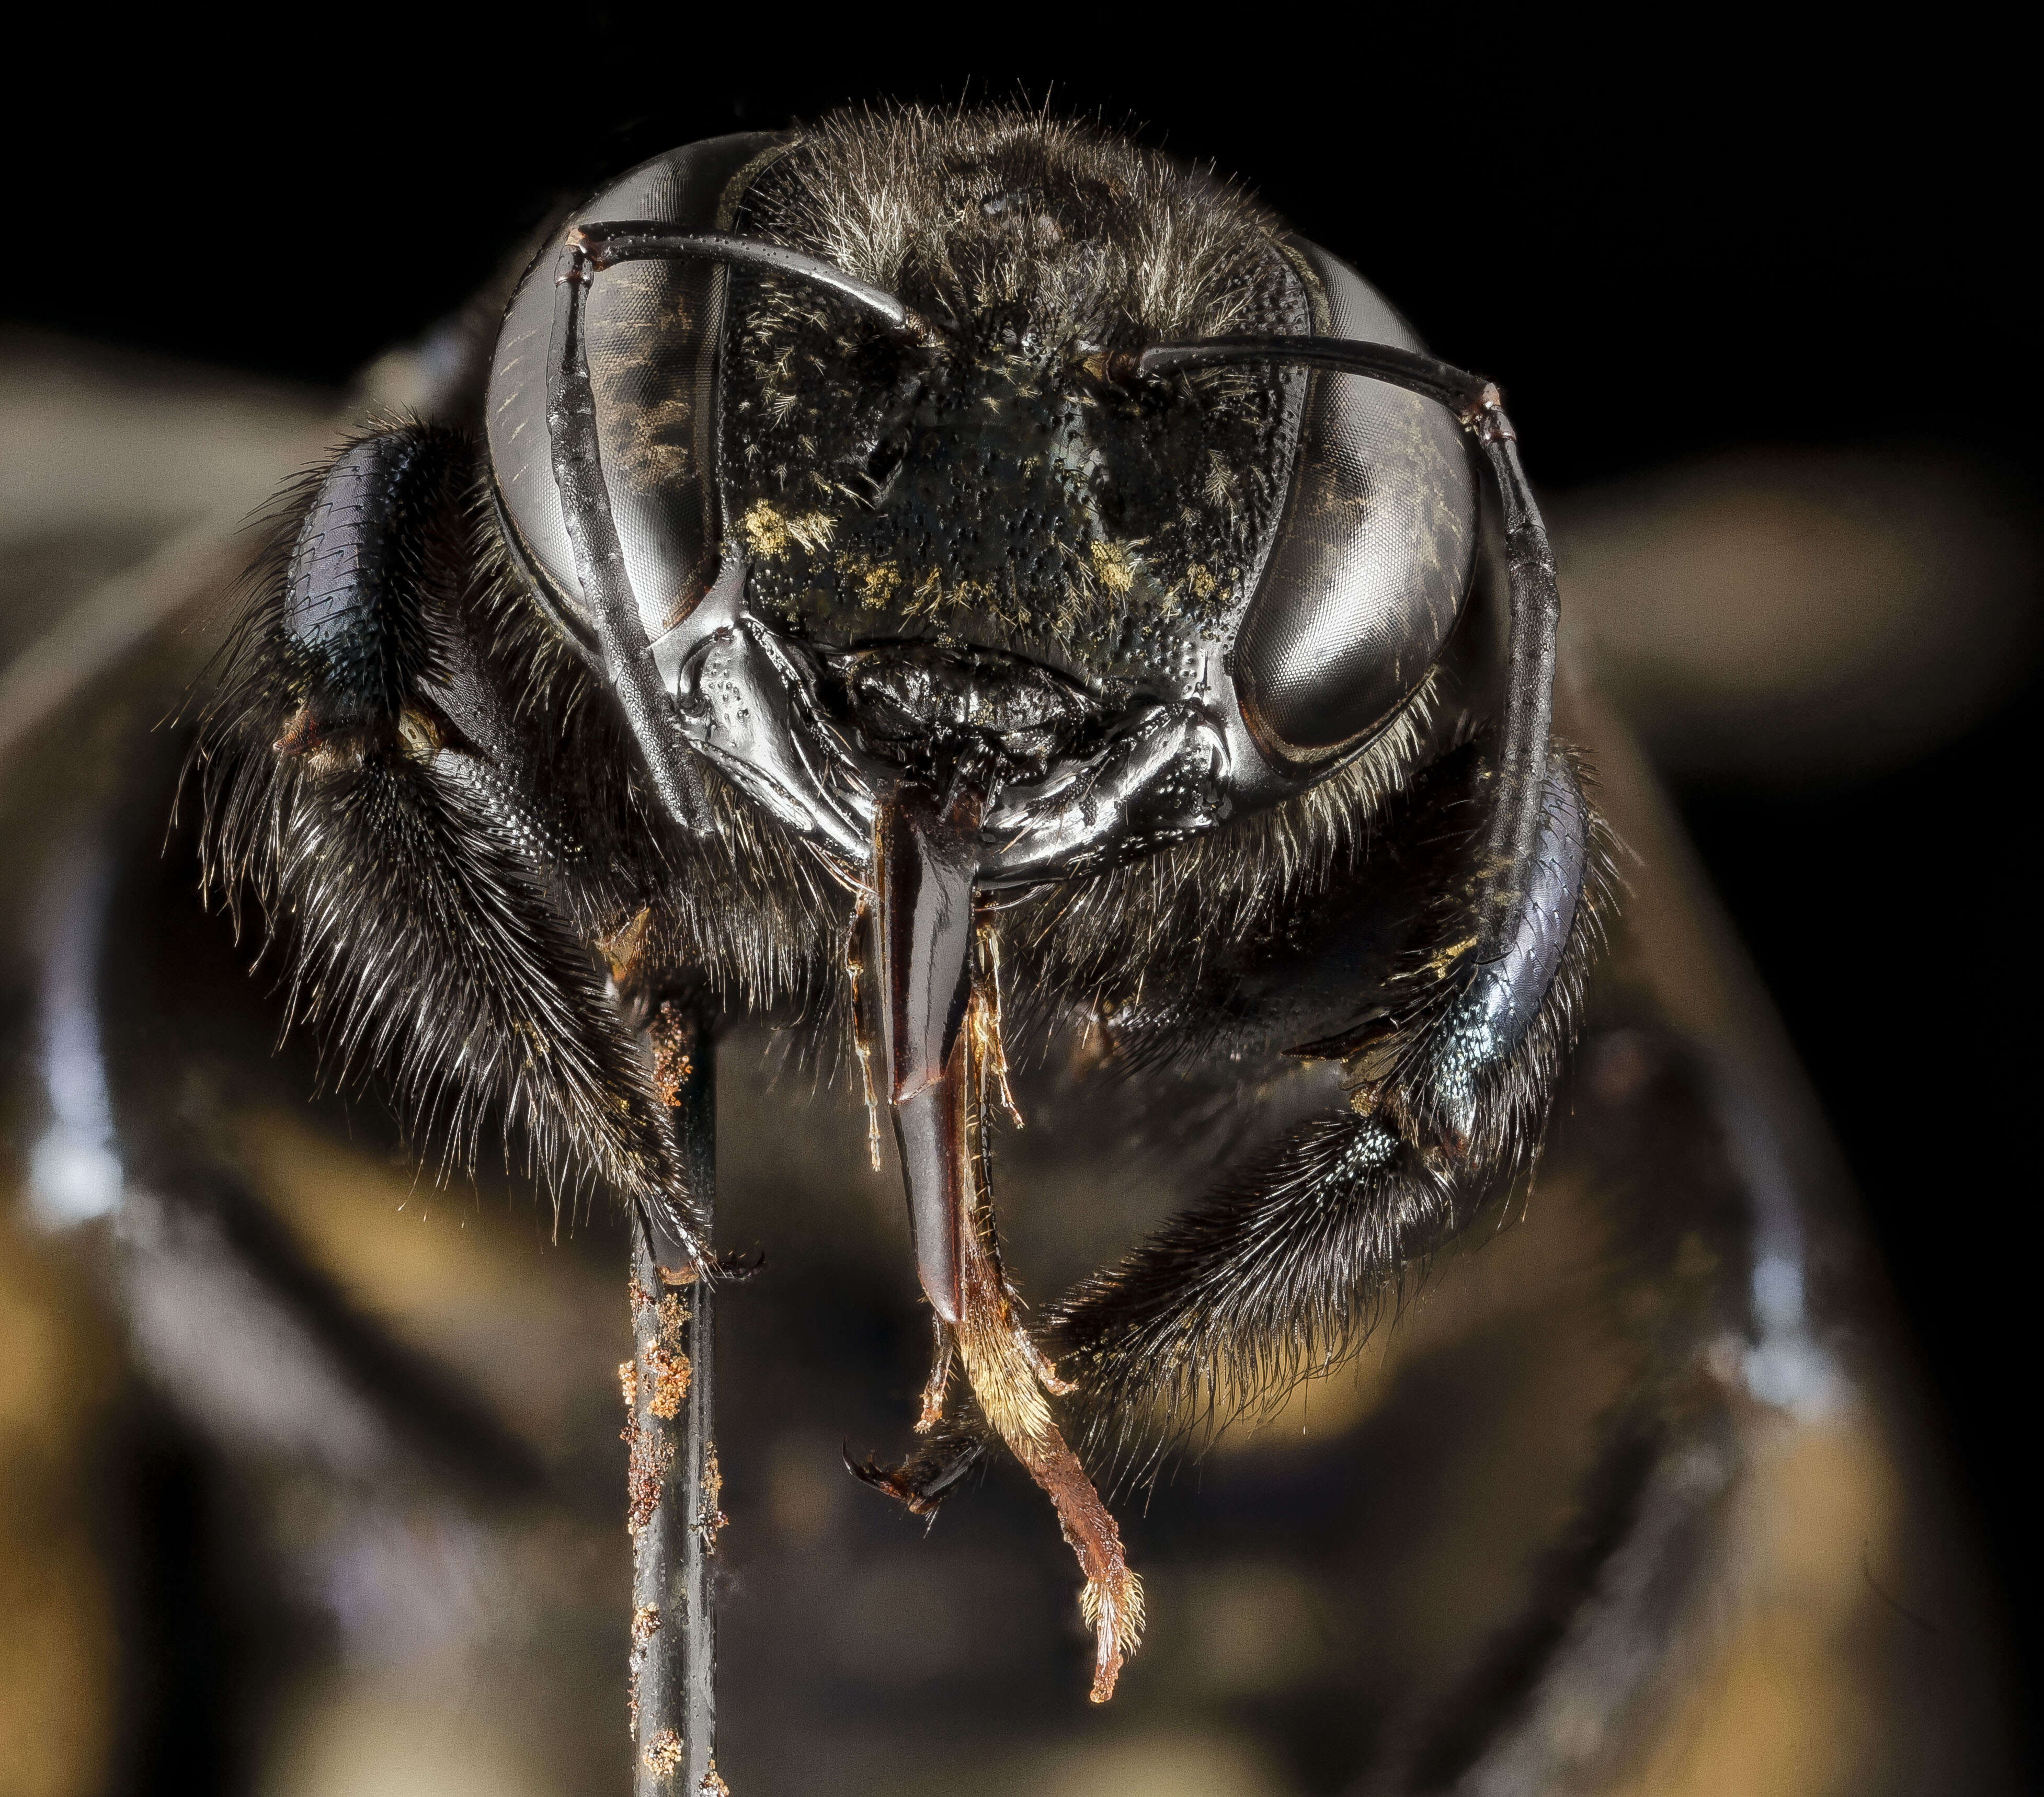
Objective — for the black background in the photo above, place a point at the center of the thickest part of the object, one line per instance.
(1665, 238)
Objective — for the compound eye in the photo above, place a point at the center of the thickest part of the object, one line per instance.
(1375, 555)
(651, 329)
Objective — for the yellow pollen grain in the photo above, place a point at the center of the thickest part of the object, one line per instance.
(765, 529)
(770, 530)
(1111, 566)
(876, 582)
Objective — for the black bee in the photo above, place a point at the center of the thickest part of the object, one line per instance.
(978, 553)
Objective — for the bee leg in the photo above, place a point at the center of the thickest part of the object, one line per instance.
(1464, 1066)
(861, 1026)
(1280, 1271)
(349, 635)
(424, 940)
(1446, 1059)
(922, 1482)
(944, 1353)
(1274, 1276)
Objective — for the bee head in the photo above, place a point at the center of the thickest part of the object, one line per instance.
(967, 538)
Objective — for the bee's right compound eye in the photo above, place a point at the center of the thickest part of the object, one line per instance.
(650, 329)
(1373, 558)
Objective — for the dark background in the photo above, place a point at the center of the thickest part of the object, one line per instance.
(1712, 235)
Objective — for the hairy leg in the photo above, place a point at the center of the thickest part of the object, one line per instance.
(1446, 1062)
(420, 894)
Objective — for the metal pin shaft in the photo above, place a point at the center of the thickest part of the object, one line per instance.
(674, 1481)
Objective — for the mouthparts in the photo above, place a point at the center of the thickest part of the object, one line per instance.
(819, 738)
(943, 1063)
(918, 705)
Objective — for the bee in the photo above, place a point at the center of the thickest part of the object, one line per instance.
(965, 586)
(986, 613)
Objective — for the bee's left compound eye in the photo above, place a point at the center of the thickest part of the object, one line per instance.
(1373, 558)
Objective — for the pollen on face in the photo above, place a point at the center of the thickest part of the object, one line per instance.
(1111, 566)
(877, 583)
(770, 530)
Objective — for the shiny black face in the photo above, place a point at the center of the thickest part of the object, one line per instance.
(1074, 547)
(993, 495)
(1193, 596)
